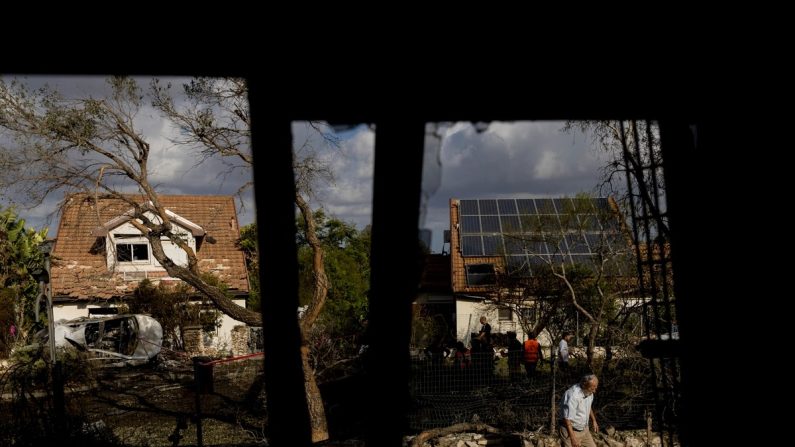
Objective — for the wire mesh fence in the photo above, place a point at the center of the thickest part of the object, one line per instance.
(225, 398)
(447, 390)
(231, 389)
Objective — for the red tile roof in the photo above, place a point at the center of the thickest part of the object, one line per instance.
(80, 270)
(459, 276)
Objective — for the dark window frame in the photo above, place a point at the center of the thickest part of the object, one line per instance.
(132, 253)
(482, 274)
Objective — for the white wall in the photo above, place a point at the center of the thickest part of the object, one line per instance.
(223, 335)
(468, 315)
(72, 311)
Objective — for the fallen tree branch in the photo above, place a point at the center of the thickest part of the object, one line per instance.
(457, 428)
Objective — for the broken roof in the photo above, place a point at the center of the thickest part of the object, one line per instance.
(80, 269)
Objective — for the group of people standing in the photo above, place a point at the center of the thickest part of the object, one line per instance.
(529, 352)
(576, 417)
(575, 412)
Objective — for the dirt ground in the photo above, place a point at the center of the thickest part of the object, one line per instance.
(156, 405)
(148, 407)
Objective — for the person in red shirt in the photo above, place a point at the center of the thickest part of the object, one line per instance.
(532, 354)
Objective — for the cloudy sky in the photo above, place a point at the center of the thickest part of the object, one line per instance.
(173, 169)
(516, 159)
(502, 159)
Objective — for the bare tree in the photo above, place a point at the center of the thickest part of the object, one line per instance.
(633, 146)
(95, 145)
(599, 287)
(215, 121)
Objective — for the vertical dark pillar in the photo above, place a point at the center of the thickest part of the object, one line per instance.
(396, 264)
(274, 188)
(680, 169)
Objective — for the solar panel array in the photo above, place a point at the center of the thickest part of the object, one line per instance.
(531, 232)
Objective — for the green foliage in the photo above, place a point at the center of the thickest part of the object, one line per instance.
(19, 250)
(19, 259)
(346, 256)
(347, 263)
(31, 368)
(427, 327)
(160, 303)
(248, 243)
(173, 308)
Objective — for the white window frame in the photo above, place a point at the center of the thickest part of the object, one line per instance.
(127, 234)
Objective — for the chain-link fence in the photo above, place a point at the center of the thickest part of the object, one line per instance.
(449, 389)
(204, 400)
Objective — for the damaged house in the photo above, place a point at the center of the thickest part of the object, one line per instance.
(100, 257)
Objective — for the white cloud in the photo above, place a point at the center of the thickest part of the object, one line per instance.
(549, 166)
(349, 197)
(521, 159)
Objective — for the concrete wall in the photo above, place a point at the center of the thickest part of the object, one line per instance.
(222, 338)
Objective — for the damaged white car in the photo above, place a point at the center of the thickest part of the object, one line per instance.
(127, 338)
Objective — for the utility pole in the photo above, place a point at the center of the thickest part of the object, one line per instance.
(55, 365)
(46, 246)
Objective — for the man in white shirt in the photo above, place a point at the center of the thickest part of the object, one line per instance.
(563, 351)
(575, 411)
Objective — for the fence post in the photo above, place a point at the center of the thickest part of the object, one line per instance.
(58, 396)
(203, 379)
(552, 415)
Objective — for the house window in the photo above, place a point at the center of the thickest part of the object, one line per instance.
(481, 274)
(528, 314)
(505, 314)
(132, 252)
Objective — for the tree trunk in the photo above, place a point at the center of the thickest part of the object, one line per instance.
(317, 414)
(591, 342)
(320, 280)
(224, 303)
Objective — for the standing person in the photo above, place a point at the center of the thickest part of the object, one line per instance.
(532, 354)
(12, 330)
(563, 352)
(514, 356)
(437, 351)
(575, 411)
(484, 358)
(485, 333)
